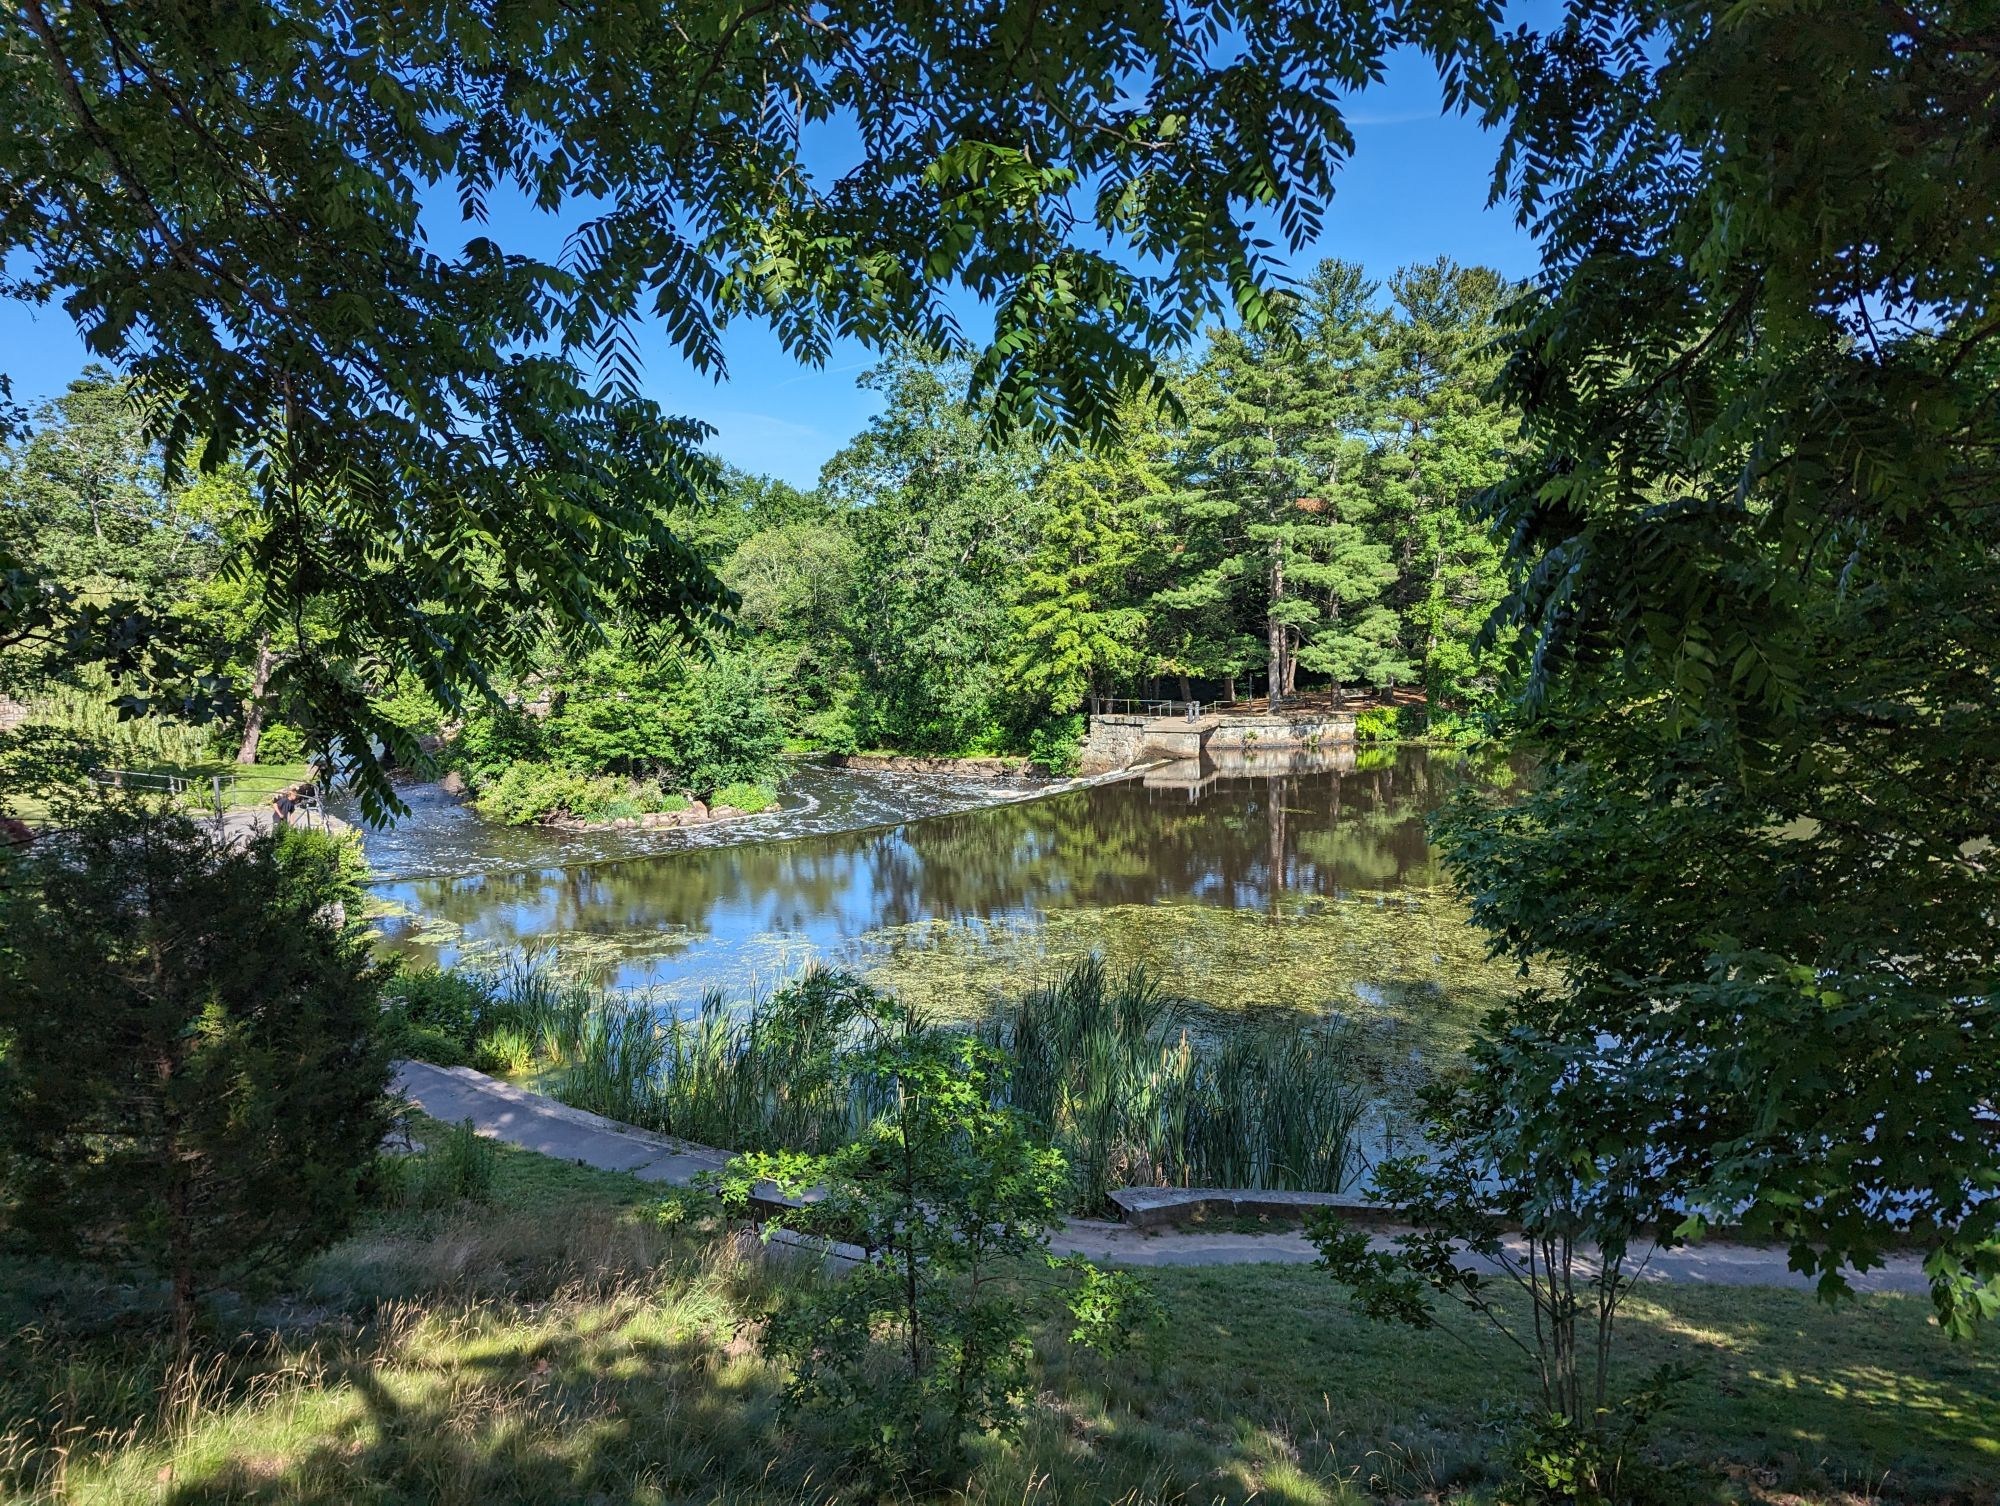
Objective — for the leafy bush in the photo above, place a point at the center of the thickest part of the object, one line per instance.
(433, 1015)
(750, 798)
(832, 729)
(1515, 1192)
(1552, 1459)
(1056, 746)
(494, 738)
(632, 712)
(281, 744)
(734, 734)
(1378, 724)
(926, 1341)
(523, 793)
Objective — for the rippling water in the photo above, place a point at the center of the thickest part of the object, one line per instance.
(1280, 883)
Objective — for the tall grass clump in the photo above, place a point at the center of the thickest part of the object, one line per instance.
(1112, 1071)
(531, 1001)
(458, 1167)
(1107, 1067)
(771, 1073)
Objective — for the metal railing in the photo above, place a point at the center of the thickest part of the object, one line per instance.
(215, 795)
(1105, 705)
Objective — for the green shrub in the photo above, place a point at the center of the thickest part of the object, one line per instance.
(193, 1078)
(1378, 724)
(651, 795)
(1553, 1459)
(1056, 746)
(281, 744)
(434, 1016)
(523, 793)
(918, 1347)
(734, 736)
(832, 729)
(749, 798)
(447, 1001)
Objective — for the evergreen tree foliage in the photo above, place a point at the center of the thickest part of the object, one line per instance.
(1078, 609)
(1273, 477)
(191, 1080)
(1444, 442)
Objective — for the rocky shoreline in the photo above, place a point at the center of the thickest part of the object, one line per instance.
(697, 814)
(1014, 769)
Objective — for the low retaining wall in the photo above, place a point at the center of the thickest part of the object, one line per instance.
(1119, 740)
(1245, 733)
(1163, 1207)
(1113, 742)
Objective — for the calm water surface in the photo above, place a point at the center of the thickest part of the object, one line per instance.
(1288, 884)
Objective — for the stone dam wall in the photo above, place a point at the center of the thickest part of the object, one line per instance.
(1119, 740)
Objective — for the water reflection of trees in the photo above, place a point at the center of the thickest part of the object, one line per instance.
(1244, 844)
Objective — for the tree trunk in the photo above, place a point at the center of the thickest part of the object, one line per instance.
(1291, 667)
(1275, 630)
(253, 717)
(1187, 692)
(1229, 688)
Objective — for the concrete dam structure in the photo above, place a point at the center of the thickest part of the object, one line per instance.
(1177, 731)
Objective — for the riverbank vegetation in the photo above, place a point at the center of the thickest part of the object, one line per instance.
(1120, 1077)
(561, 1334)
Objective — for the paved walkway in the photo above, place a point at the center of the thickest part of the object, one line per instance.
(536, 1122)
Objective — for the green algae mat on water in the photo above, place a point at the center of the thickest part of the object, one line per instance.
(1407, 963)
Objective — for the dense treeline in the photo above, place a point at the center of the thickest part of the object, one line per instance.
(1297, 516)
(1293, 515)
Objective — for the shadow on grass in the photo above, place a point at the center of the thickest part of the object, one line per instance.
(560, 1345)
(540, 1417)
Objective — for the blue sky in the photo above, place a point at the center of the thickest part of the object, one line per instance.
(1415, 190)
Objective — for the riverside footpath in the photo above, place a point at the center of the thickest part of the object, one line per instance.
(536, 1122)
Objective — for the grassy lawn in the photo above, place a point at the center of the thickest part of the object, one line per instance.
(564, 1344)
(259, 782)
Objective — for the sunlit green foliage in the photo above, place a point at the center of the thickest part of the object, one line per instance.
(1758, 550)
(578, 1335)
(925, 1342)
(447, 436)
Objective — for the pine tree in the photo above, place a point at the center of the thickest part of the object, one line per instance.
(1080, 626)
(192, 1081)
(1274, 478)
(1446, 440)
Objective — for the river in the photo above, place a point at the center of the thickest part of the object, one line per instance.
(1247, 890)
